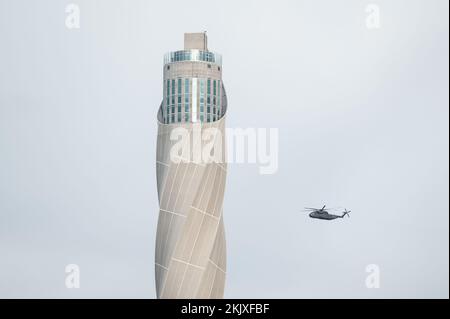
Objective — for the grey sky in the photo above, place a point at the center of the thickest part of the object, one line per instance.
(363, 124)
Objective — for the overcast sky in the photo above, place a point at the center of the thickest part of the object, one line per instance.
(363, 123)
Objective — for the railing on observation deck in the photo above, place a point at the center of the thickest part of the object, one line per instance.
(193, 55)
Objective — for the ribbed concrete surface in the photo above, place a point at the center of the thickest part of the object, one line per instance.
(190, 245)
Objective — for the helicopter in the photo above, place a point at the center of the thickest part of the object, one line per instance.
(322, 213)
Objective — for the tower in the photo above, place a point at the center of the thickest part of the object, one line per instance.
(190, 256)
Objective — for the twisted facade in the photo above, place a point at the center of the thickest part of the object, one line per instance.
(190, 245)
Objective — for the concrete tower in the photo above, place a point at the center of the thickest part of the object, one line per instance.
(190, 244)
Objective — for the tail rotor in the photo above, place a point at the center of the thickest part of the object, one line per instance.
(346, 212)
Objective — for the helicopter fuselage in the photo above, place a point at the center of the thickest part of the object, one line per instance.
(323, 215)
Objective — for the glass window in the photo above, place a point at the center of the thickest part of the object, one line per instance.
(202, 98)
(173, 87)
(208, 101)
(192, 55)
(179, 90)
(194, 100)
(218, 95)
(167, 93)
(215, 87)
(186, 95)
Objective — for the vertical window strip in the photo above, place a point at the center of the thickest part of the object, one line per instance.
(167, 101)
(218, 93)
(173, 97)
(186, 98)
(208, 100)
(202, 98)
(194, 100)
